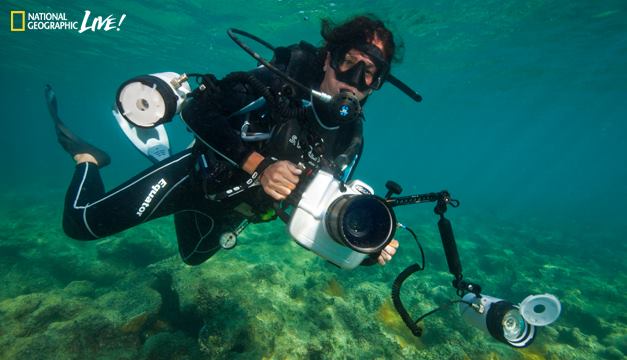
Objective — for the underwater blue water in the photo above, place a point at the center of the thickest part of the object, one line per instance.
(523, 107)
(524, 116)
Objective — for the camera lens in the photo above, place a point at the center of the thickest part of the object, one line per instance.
(364, 223)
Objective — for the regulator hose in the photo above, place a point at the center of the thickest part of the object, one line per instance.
(282, 108)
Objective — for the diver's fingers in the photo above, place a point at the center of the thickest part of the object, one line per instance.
(280, 173)
(386, 256)
(391, 247)
(294, 169)
(288, 185)
(273, 194)
(277, 181)
(276, 190)
(383, 258)
(284, 179)
(290, 172)
(388, 252)
(283, 190)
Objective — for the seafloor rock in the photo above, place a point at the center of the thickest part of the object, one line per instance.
(574, 337)
(37, 325)
(80, 288)
(134, 309)
(613, 353)
(371, 294)
(618, 338)
(126, 251)
(170, 346)
(31, 314)
(226, 328)
(79, 321)
(269, 298)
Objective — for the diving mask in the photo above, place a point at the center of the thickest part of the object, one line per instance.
(352, 71)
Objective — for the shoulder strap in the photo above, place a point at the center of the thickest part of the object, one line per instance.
(300, 61)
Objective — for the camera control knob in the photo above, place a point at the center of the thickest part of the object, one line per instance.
(393, 188)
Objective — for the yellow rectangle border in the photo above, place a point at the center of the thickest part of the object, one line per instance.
(18, 12)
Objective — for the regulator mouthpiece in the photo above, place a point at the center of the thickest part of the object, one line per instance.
(346, 107)
(338, 110)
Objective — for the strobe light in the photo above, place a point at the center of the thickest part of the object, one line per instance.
(143, 104)
(509, 323)
(150, 100)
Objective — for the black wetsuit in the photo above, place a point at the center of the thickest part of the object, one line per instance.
(184, 183)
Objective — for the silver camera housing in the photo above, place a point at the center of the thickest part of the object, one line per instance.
(307, 224)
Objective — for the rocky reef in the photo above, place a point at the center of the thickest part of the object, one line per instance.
(130, 297)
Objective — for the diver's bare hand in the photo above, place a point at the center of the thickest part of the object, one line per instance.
(279, 179)
(388, 252)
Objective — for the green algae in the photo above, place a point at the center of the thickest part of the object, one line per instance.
(271, 299)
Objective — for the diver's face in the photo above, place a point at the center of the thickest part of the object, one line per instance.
(332, 86)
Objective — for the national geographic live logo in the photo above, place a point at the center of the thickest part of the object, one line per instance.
(22, 20)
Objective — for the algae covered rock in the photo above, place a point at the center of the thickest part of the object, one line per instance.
(127, 251)
(170, 346)
(53, 323)
(80, 288)
(128, 302)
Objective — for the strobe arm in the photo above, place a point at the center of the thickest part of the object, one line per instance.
(500, 318)
(443, 200)
(413, 199)
(452, 258)
(450, 246)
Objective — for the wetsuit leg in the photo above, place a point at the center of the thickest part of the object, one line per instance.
(162, 189)
(199, 232)
(200, 226)
(168, 187)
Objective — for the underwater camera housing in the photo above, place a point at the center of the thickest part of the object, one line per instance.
(343, 223)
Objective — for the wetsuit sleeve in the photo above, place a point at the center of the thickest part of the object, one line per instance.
(207, 116)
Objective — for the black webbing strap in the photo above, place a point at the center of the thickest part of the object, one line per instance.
(252, 181)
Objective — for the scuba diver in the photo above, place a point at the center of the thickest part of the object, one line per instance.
(280, 141)
(245, 159)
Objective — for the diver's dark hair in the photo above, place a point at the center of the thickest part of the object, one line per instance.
(361, 29)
